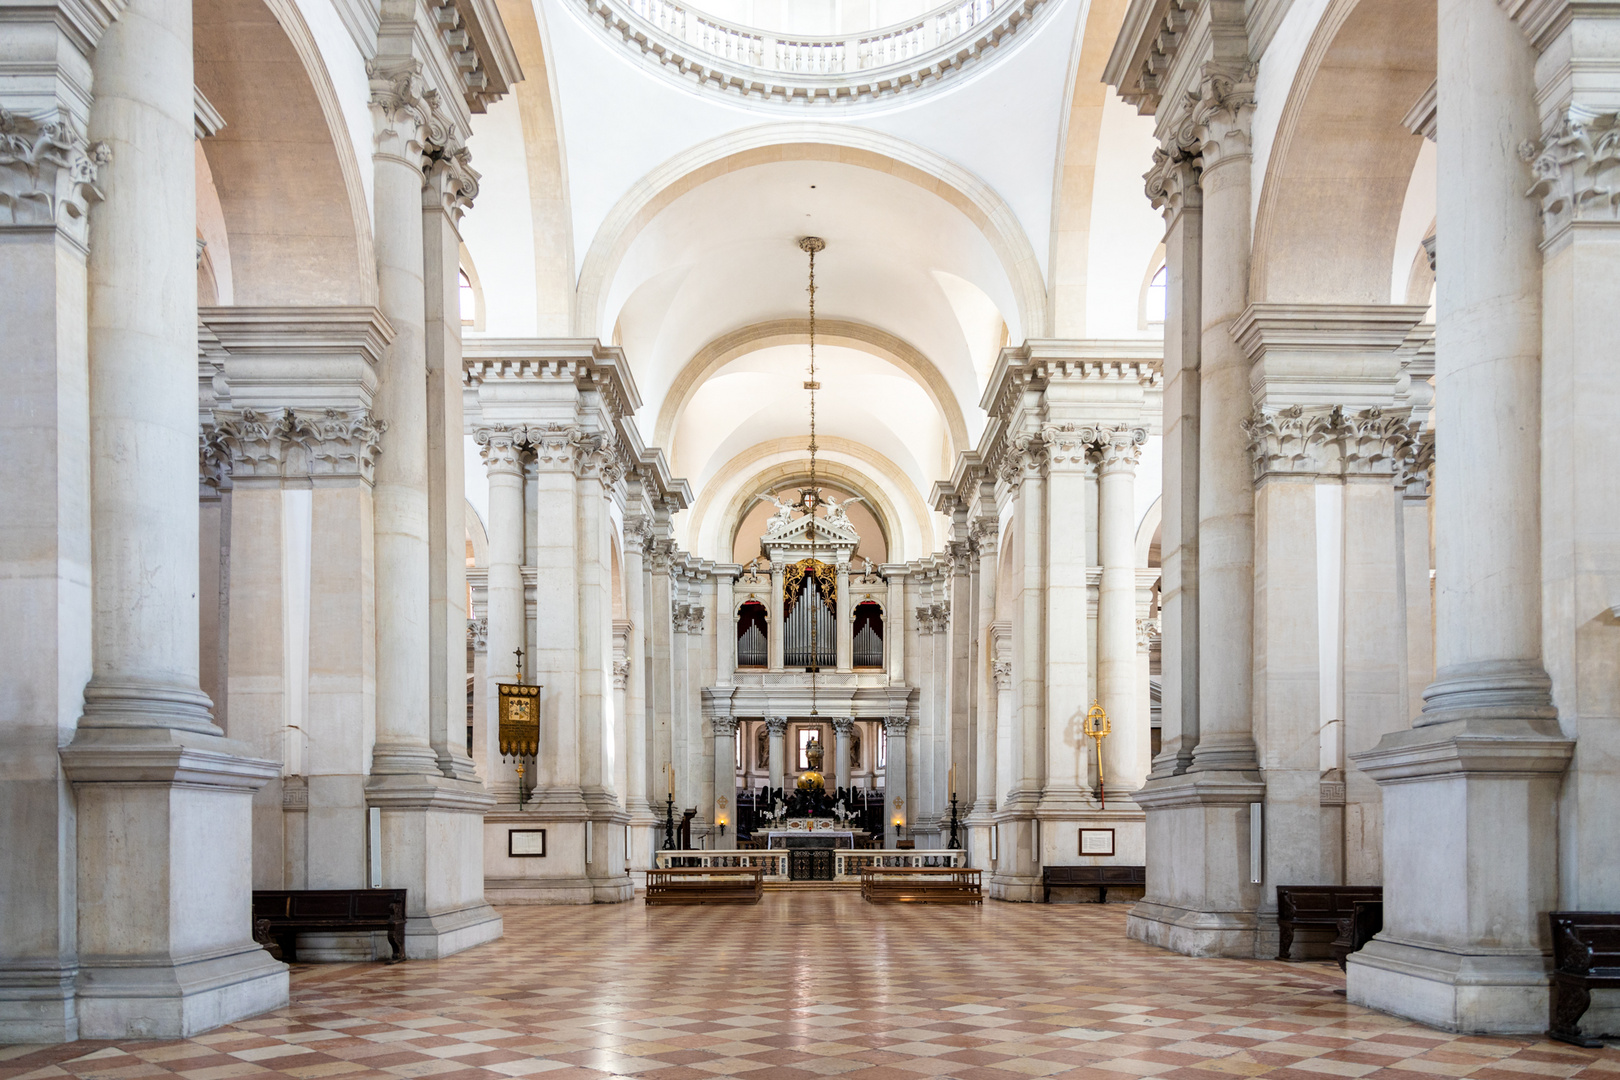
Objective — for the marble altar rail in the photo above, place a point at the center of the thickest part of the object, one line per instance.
(847, 865)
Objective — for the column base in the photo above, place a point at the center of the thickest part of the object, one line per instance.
(1489, 994)
(584, 860)
(1015, 875)
(431, 842)
(38, 1004)
(1199, 899)
(178, 999)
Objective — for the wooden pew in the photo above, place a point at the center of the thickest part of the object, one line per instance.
(279, 916)
(1316, 907)
(705, 885)
(1366, 918)
(920, 885)
(1091, 877)
(1586, 957)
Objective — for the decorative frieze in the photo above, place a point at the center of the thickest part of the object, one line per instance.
(48, 172)
(1577, 171)
(295, 442)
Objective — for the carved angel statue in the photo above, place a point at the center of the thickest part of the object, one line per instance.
(780, 520)
(837, 513)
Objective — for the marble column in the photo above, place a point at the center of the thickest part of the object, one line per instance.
(164, 936)
(1017, 875)
(1116, 607)
(661, 629)
(725, 779)
(45, 550)
(776, 728)
(774, 623)
(894, 625)
(841, 729)
(1464, 944)
(896, 806)
(725, 628)
(986, 540)
(1173, 188)
(844, 640)
(451, 184)
(504, 635)
(642, 820)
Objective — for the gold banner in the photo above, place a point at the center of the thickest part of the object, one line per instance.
(519, 720)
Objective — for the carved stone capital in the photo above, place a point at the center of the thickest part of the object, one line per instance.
(896, 726)
(1327, 441)
(450, 183)
(688, 618)
(843, 725)
(621, 674)
(637, 532)
(478, 635)
(1172, 183)
(403, 110)
(1220, 114)
(1024, 459)
(1146, 631)
(298, 442)
(48, 173)
(985, 536)
(725, 727)
(1577, 171)
(1067, 447)
(1417, 467)
(1001, 671)
(502, 449)
(1119, 447)
(776, 725)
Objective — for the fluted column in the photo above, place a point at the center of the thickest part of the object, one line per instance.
(841, 729)
(503, 463)
(1465, 938)
(150, 769)
(1116, 607)
(896, 805)
(776, 728)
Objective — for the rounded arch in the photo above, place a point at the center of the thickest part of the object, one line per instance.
(1339, 169)
(809, 141)
(1147, 533)
(712, 522)
(298, 221)
(722, 350)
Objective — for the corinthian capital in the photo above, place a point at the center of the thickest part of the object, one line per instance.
(451, 183)
(501, 451)
(1023, 459)
(985, 535)
(1172, 183)
(48, 172)
(299, 442)
(1575, 170)
(405, 111)
(1220, 114)
(1119, 447)
(1292, 440)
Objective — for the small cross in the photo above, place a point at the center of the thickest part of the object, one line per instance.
(519, 654)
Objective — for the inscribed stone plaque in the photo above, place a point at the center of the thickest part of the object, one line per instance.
(1096, 841)
(526, 843)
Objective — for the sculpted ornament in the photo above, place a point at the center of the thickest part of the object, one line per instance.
(1219, 114)
(1024, 459)
(478, 634)
(331, 442)
(1119, 447)
(1326, 441)
(1172, 183)
(1146, 631)
(985, 535)
(48, 172)
(1577, 171)
(1002, 671)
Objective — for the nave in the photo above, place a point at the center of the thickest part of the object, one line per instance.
(810, 984)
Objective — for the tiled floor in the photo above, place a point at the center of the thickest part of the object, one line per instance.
(817, 984)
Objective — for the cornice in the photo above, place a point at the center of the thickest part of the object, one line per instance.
(590, 364)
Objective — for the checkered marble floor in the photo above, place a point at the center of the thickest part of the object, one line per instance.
(816, 985)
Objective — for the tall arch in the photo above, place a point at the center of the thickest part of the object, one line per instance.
(809, 141)
(288, 177)
(1338, 173)
(722, 350)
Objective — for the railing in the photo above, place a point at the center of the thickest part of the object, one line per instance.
(847, 865)
(816, 55)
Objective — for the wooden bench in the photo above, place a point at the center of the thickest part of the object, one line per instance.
(1101, 878)
(279, 916)
(705, 885)
(1366, 918)
(1586, 957)
(920, 885)
(1316, 907)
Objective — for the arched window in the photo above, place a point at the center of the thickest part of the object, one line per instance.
(868, 635)
(469, 300)
(1158, 296)
(751, 644)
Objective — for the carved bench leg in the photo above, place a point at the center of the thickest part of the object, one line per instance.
(396, 939)
(1285, 940)
(1571, 999)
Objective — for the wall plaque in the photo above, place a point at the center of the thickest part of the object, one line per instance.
(1096, 841)
(526, 843)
